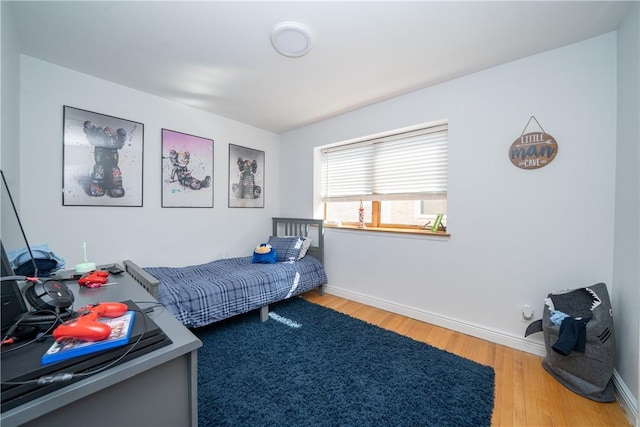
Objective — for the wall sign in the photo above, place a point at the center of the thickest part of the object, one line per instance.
(533, 150)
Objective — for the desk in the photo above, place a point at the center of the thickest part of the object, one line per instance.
(155, 389)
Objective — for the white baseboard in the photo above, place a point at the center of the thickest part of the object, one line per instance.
(624, 395)
(498, 337)
(626, 399)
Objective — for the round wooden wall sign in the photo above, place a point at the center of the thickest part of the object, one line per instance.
(533, 150)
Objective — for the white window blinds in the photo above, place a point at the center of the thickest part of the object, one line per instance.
(409, 165)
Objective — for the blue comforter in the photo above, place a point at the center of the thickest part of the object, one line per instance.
(202, 294)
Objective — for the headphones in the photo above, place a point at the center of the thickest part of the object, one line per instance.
(50, 300)
(48, 296)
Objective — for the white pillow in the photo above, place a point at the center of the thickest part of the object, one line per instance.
(306, 244)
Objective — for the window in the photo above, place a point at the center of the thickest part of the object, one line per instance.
(400, 178)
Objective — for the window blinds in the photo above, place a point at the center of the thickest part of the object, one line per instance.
(411, 165)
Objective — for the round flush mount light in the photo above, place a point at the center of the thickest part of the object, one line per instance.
(291, 39)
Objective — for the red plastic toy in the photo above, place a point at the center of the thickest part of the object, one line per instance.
(95, 279)
(86, 327)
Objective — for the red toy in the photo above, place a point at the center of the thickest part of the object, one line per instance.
(86, 327)
(95, 279)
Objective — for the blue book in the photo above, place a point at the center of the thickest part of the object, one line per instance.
(120, 332)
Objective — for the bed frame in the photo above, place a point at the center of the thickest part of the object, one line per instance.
(313, 228)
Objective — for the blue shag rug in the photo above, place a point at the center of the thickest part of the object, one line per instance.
(312, 366)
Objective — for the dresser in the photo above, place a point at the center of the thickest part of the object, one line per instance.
(158, 388)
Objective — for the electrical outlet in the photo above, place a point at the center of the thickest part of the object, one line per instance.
(526, 313)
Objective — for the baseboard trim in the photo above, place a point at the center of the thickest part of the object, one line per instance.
(498, 337)
(626, 399)
(624, 395)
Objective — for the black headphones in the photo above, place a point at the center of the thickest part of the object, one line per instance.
(49, 295)
(51, 301)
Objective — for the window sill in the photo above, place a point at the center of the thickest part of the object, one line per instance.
(414, 231)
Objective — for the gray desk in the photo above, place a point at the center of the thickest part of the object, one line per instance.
(155, 389)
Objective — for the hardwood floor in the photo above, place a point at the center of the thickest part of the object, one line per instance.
(525, 394)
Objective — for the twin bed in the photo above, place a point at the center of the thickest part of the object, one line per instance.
(199, 295)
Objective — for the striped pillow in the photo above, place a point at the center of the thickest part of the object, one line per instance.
(287, 248)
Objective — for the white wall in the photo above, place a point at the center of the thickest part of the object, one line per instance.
(9, 125)
(149, 235)
(516, 234)
(626, 273)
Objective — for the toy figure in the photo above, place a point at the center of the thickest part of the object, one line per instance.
(246, 187)
(106, 177)
(180, 160)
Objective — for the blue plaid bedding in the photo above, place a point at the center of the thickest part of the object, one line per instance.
(202, 294)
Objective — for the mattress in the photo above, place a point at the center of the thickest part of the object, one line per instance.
(199, 295)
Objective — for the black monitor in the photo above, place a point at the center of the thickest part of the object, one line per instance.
(13, 304)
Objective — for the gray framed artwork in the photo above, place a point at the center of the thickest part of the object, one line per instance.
(246, 177)
(102, 159)
(187, 170)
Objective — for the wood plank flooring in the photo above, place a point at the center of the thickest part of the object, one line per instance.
(525, 395)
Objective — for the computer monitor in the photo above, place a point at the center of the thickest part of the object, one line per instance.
(13, 304)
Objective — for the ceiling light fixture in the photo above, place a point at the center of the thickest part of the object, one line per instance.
(291, 39)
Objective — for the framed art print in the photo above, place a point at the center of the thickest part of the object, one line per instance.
(187, 170)
(102, 159)
(246, 177)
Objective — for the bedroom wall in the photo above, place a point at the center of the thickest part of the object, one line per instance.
(626, 266)
(516, 234)
(149, 235)
(9, 124)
